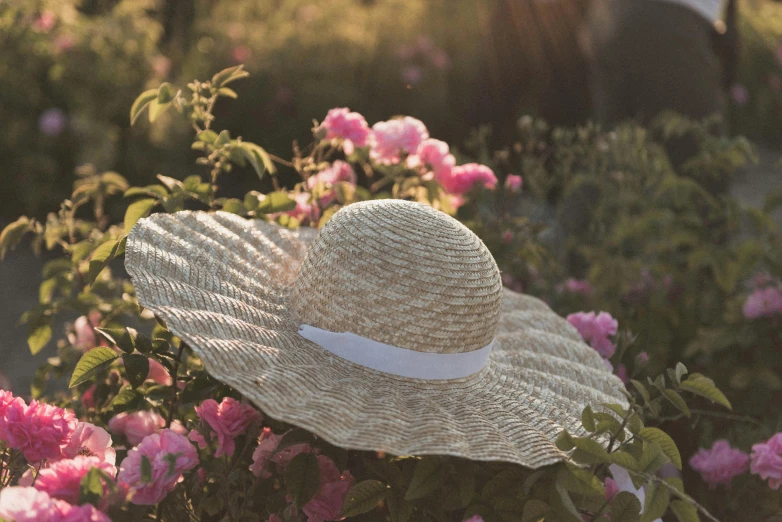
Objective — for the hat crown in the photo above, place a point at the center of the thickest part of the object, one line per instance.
(403, 274)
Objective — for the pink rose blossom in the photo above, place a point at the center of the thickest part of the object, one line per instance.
(764, 302)
(267, 444)
(349, 126)
(462, 178)
(284, 456)
(88, 397)
(595, 329)
(719, 464)
(577, 286)
(86, 513)
(158, 373)
(241, 53)
(40, 431)
(611, 488)
(390, 138)
(513, 183)
(45, 22)
(328, 501)
(766, 461)
(6, 399)
(306, 212)
(137, 425)
(456, 201)
(621, 372)
(507, 237)
(339, 171)
(169, 455)
(62, 479)
(26, 504)
(90, 440)
(434, 154)
(228, 420)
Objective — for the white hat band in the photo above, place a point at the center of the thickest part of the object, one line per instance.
(395, 360)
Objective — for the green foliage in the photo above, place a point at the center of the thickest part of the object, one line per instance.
(302, 478)
(90, 363)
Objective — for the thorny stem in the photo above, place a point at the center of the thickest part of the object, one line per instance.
(174, 373)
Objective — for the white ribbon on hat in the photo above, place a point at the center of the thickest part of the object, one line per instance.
(398, 361)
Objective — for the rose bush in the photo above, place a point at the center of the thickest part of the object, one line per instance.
(651, 264)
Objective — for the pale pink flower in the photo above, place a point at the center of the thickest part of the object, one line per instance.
(764, 302)
(88, 397)
(40, 431)
(88, 439)
(62, 479)
(45, 22)
(719, 464)
(462, 178)
(136, 425)
(84, 337)
(434, 154)
(228, 420)
(595, 329)
(158, 373)
(305, 211)
(169, 455)
(26, 504)
(267, 445)
(456, 200)
(740, 94)
(348, 126)
(241, 53)
(338, 172)
(52, 122)
(6, 399)
(393, 138)
(766, 461)
(621, 372)
(513, 183)
(327, 502)
(577, 286)
(85, 513)
(611, 489)
(178, 427)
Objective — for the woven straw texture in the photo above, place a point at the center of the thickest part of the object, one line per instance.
(237, 290)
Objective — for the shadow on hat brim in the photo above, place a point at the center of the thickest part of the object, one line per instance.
(220, 282)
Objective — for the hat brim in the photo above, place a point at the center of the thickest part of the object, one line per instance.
(220, 282)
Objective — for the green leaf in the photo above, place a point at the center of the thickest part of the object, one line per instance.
(398, 508)
(684, 511)
(126, 398)
(294, 436)
(302, 478)
(222, 138)
(656, 502)
(91, 362)
(119, 337)
(677, 401)
(535, 511)
(625, 507)
(39, 337)
(652, 459)
(276, 202)
(428, 476)
(570, 509)
(642, 390)
(229, 75)
(705, 388)
(155, 191)
(136, 368)
(146, 470)
(624, 459)
(141, 103)
(156, 109)
(665, 442)
(228, 93)
(589, 451)
(580, 481)
(564, 441)
(588, 419)
(258, 158)
(12, 234)
(103, 255)
(137, 210)
(91, 487)
(773, 199)
(165, 93)
(363, 497)
(681, 371)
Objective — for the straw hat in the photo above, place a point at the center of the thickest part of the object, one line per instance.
(388, 330)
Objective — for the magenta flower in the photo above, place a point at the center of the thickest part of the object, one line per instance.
(763, 302)
(267, 445)
(40, 431)
(305, 211)
(25, 504)
(45, 22)
(85, 513)
(719, 464)
(136, 425)
(327, 502)
(90, 440)
(52, 122)
(228, 420)
(434, 155)
(611, 489)
(158, 374)
(348, 126)
(595, 329)
(63, 478)
(391, 138)
(165, 456)
(766, 461)
(513, 183)
(461, 179)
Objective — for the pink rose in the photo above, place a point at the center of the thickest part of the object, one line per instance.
(611, 488)
(327, 502)
(88, 439)
(764, 302)
(62, 479)
(86, 513)
(434, 154)
(284, 456)
(45, 22)
(40, 431)
(137, 425)
(349, 126)
(766, 461)
(6, 398)
(621, 372)
(267, 445)
(158, 373)
(461, 179)
(228, 420)
(168, 455)
(513, 183)
(719, 464)
(339, 171)
(306, 212)
(25, 504)
(595, 329)
(392, 137)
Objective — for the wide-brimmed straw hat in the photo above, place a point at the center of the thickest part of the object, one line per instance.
(389, 330)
